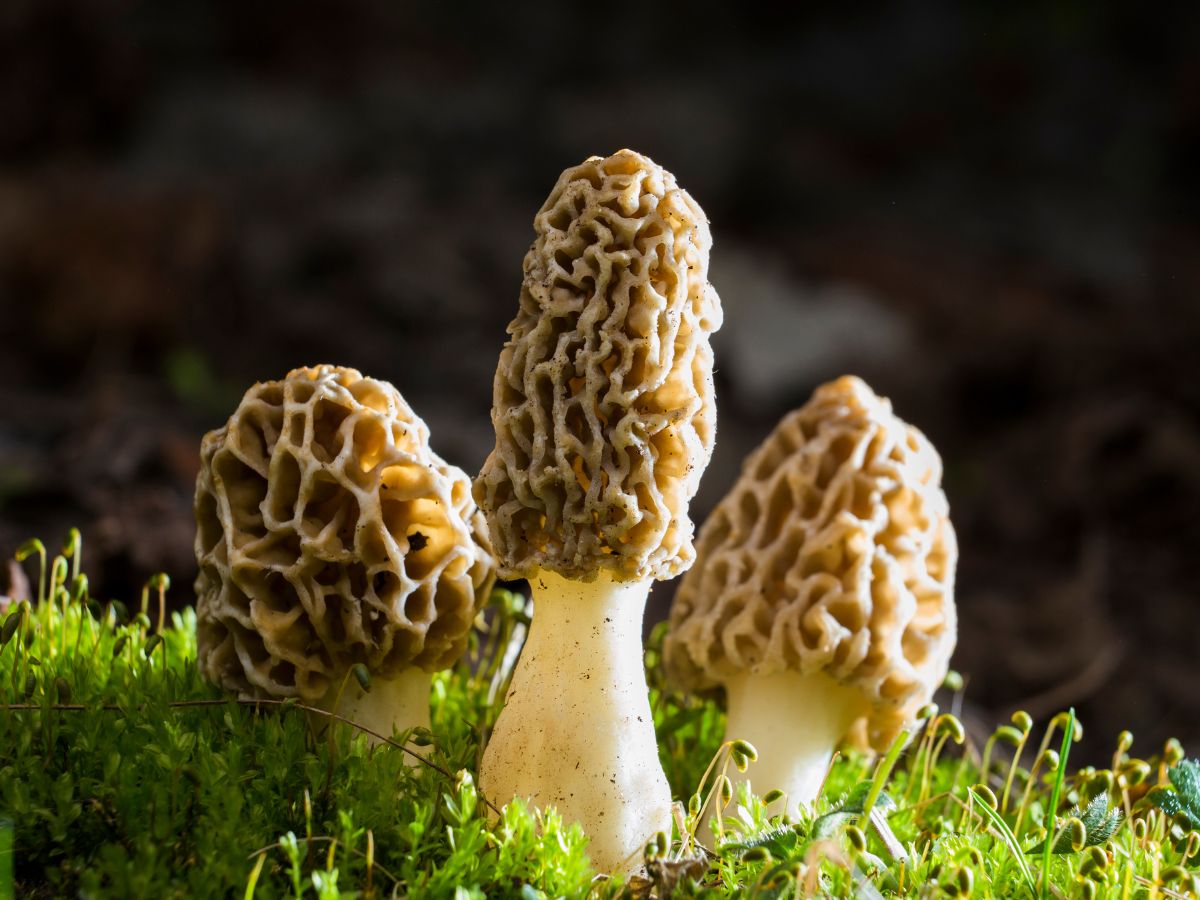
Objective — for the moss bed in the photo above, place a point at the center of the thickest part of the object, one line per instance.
(123, 774)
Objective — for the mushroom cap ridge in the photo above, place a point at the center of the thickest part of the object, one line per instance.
(832, 553)
(328, 534)
(603, 398)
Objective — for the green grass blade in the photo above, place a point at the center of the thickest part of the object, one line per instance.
(252, 881)
(1068, 736)
(883, 771)
(1009, 838)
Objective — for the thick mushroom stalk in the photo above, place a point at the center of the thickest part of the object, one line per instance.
(822, 598)
(576, 733)
(392, 706)
(794, 722)
(605, 418)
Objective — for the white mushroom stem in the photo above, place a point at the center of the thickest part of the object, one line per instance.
(576, 732)
(794, 722)
(393, 705)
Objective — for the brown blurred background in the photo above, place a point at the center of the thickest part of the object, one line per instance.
(991, 214)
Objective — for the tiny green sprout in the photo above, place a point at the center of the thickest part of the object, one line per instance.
(725, 791)
(58, 574)
(1098, 857)
(11, 624)
(1077, 833)
(152, 643)
(1172, 874)
(1101, 783)
(953, 681)
(948, 724)
(1087, 890)
(1136, 771)
(928, 711)
(119, 645)
(1060, 721)
(1191, 845)
(1172, 751)
(661, 843)
(363, 676)
(1023, 721)
(27, 549)
(856, 838)
(1140, 829)
(1009, 735)
(965, 880)
(694, 803)
(757, 854)
(772, 796)
(1124, 742)
(1051, 760)
(744, 748)
(985, 795)
(975, 855)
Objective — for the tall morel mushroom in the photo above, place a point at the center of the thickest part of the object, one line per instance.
(605, 420)
(822, 599)
(330, 534)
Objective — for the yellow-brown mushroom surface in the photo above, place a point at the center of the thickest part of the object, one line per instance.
(603, 397)
(328, 534)
(833, 553)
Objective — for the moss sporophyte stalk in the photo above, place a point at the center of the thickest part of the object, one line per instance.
(147, 782)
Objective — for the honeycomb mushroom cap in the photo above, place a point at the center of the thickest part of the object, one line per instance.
(603, 398)
(833, 553)
(328, 534)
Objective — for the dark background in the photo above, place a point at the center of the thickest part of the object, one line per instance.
(991, 214)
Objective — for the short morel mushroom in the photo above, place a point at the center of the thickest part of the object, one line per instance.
(605, 419)
(328, 535)
(822, 599)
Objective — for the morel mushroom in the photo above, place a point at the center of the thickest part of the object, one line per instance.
(822, 599)
(330, 534)
(604, 420)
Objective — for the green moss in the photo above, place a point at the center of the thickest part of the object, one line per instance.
(123, 774)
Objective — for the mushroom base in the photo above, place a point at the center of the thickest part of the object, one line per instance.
(795, 722)
(576, 731)
(393, 705)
